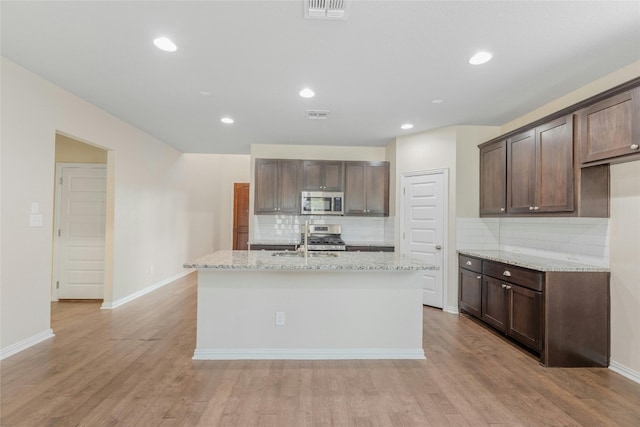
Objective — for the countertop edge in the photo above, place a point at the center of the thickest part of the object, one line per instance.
(534, 262)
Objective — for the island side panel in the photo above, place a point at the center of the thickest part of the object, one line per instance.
(328, 314)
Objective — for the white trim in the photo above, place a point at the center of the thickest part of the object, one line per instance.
(26, 343)
(453, 309)
(151, 288)
(624, 371)
(307, 354)
(445, 219)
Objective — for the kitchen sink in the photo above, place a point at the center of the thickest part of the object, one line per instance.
(301, 254)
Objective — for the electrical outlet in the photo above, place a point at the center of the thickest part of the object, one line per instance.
(35, 220)
(280, 318)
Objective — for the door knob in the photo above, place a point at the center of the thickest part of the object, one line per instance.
(438, 247)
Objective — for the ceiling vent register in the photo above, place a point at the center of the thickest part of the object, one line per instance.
(317, 114)
(326, 9)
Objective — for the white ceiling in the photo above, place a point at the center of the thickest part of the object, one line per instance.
(378, 69)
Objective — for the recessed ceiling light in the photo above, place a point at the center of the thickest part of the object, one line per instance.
(406, 126)
(480, 58)
(205, 93)
(226, 120)
(163, 43)
(307, 93)
(437, 101)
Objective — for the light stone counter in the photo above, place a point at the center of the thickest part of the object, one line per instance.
(534, 262)
(265, 260)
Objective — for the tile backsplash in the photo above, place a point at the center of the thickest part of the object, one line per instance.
(575, 239)
(285, 229)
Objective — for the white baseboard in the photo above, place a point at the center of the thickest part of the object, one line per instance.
(624, 371)
(307, 354)
(26, 343)
(122, 301)
(453, 309)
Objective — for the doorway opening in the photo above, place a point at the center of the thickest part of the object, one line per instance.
(241, 216)
(79, 260)
(423, 228)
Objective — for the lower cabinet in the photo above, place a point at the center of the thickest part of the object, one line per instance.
(562, 316)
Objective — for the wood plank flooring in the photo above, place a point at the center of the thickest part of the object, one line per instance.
(132, 367)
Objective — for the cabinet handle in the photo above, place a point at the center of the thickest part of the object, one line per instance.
(535, 208)
(478, 277)
(505, 286)
(469, 263)
(506, 273)
(634, 146)
(501, 209)
(530, 208)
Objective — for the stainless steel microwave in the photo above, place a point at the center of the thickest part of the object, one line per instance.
(322, 203)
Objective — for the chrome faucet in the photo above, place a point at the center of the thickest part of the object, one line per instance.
(306, 239)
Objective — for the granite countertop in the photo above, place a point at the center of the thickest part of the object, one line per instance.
(264, 260)
(534, 262)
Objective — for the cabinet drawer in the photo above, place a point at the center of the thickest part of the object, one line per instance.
(524, 277)
(469, 263)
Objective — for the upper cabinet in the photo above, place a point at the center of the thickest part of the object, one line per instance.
(322, 175)
(540, 168)
(366, 188)
(609, 130)
(277, 186)
(493, 178)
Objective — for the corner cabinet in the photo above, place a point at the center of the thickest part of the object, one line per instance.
(366, 188)
(322, 175)
(609, 130)
(563, 316)
(277, 186)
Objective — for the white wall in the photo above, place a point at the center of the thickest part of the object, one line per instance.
(625, 266)
(210, 179)
(148, 227)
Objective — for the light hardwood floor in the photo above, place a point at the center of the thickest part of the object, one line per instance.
(132, 367)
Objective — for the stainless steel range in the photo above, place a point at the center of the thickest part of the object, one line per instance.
(323, 237)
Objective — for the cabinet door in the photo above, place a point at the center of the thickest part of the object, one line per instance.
(521, 172)
(289, 186)
(376, 189)
(354, 198)
(266, 186)
(470, 292)
(525, 316)
(494, 303)
(493, 179)
(312, 175)
(555, 168)
(332, 176)
(610, 128)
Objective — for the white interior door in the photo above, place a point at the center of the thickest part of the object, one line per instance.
(423, 227)
(81, 203)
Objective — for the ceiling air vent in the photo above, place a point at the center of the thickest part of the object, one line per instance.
(326, 9)
(317, 114)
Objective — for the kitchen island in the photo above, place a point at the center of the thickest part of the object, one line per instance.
(281, 305)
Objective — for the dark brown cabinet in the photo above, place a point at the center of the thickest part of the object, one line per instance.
(277, 186)
(564, 316)
(493, 178)
(540, 169)
(511, 308)
(322, 175)
(265, 247)
(470, 288)
(366, 188)
(610, 129)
